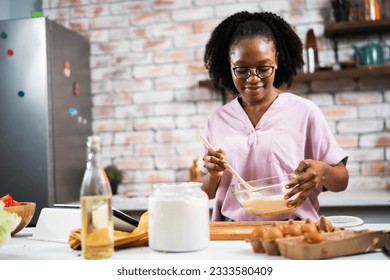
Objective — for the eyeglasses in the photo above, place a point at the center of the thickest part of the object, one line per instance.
(245, 72)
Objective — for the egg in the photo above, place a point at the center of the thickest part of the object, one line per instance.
(258, 232)
(256, 237)
(314, 237)
(292, 229)
(324, 224)
(272, 233)
(308, 226)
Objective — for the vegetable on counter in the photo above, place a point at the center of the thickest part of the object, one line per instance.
(9, 201)
(8, 223)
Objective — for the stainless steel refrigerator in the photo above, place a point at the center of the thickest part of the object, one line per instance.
(45, 111)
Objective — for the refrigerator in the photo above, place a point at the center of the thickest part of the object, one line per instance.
(45, 111)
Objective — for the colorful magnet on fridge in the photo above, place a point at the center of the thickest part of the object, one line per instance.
(73, 112)
(37, 14)
(67, 69)
(10, 52)
(3, 35)
(21, 93)
(76, 88)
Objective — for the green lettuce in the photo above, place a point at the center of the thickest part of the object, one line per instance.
(8, 222)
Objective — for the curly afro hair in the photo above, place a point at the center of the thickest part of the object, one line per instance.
(243, 25)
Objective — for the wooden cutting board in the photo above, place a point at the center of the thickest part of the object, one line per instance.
(233, 230)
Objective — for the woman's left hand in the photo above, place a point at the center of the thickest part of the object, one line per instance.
(307, 177)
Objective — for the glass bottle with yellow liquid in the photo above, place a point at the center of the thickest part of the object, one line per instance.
(97, 233)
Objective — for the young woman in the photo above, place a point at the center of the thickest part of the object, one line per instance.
(264, 131)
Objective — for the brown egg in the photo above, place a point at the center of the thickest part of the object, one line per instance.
(308, 226)
(255, 238)
(314, 237)
(272, 233)
(258, 232)
(324, 224)
(292, 229)
(283, 227)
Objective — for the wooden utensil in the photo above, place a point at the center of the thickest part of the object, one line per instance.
(234, 230)
(228, 167)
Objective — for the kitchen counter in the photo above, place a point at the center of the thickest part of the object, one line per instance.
(372, 206)
(22, 247)
(355, 198)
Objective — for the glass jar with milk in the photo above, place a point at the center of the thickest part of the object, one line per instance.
(178, 217)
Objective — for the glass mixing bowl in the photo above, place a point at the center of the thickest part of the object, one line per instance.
(266, 198)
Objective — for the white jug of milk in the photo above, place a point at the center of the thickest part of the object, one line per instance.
(178, 217)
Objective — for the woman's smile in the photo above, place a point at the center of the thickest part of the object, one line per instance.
(253, 89)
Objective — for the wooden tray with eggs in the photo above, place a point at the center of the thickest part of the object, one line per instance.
(314, 240)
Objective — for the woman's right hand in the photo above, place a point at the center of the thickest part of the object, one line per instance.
(215, 162)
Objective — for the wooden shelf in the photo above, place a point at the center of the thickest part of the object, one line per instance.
(354, 28)
(352, 73)
(336, 30)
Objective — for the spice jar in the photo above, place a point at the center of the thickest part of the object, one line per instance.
(178, 217)
(312, 63)
(194, 172)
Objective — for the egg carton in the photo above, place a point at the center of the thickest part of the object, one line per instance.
(336, 244)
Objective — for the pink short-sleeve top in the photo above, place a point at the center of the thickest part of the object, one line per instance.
(291, 130)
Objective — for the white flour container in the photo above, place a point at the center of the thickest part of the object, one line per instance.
(178, 217)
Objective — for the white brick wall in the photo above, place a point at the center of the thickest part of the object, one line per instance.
(147, 59)
(360, 126)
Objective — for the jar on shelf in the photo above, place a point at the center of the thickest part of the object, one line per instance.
(341, 9)
(369, 10)
(372, 10)
(311, 63)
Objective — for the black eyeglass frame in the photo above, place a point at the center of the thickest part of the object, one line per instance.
(250, 71)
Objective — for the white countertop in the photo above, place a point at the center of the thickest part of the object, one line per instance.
(22, 247)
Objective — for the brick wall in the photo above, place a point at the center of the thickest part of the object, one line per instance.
(146, 60)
